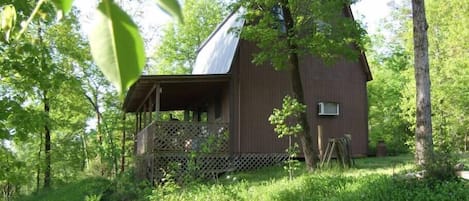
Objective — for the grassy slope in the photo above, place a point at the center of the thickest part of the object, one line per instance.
(76, 191)
(371, 179)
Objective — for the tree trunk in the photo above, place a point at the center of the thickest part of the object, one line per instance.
(47, 143)
(297, 86)
(85, 152)
(423, 129)
(38, 168)
(98, 118)
(123, 145)
(94, 102)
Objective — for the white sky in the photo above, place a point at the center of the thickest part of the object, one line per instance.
(370, 12)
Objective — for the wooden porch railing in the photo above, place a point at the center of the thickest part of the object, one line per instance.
(169, 146)
(179, 136)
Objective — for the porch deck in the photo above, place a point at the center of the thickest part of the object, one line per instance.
(182, 146)
(197, 148)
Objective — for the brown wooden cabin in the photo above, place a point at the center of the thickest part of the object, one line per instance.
(237, 98)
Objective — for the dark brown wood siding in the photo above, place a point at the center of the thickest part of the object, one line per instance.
(343, 83)
(219, 100)
(259, 89)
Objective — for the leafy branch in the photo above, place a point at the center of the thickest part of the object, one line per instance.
(115, 41)
(286, 123)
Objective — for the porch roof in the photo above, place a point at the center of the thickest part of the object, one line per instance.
(177, 91)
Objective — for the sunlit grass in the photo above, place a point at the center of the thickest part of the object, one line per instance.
(369, 179)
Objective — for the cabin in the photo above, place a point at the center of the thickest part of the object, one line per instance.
(226, 102)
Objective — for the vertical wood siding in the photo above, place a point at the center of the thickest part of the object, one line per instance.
(260, 89)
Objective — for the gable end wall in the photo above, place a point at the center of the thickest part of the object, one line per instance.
(260, 89)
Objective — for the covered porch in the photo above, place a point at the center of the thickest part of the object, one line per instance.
(202, 101)
(201, 125)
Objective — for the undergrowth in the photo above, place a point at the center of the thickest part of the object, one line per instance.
(371, 179)
(326, 187)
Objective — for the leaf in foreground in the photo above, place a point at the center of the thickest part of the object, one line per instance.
(63, 7)
(8, 19)
(172, 7)
(117, 46)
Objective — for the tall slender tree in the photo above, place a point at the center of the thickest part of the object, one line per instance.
(423, 128)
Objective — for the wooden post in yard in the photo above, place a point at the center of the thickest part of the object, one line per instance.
(320, 139)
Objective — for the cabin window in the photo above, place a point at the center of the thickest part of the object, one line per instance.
(328, 109)
(277, 12)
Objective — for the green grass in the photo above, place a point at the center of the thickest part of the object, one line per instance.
(370, 179)
(76, 191)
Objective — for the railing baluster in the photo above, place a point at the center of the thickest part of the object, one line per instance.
(177, 137)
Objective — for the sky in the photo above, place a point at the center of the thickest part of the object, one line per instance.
(370, 12)
(152, 19)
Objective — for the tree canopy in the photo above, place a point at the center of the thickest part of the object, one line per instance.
(393, 91)
(177, 50)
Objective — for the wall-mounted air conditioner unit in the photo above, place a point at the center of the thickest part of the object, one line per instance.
(328, 109)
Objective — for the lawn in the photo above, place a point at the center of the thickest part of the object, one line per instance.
(370, 179)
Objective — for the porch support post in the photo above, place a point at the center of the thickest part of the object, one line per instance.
(144, 115)
(195, 116)
(150, 109)
(136, 123)
(144, 105)
(157, 100)
(186, 115)
(139, 121)
(199, 115)
(136, 133)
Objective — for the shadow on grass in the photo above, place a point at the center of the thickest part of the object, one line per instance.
(262, 175)
(383, 162)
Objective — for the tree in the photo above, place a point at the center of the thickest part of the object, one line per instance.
(42, 89)
(287, 30)
(423, 126)
(177, 50)
(451, 83)
(385, 97)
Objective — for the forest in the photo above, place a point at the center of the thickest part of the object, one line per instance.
(62, 122)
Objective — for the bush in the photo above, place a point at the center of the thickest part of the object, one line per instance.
(126, 188)
(442, 167)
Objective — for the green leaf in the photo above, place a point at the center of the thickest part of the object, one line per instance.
(8, 20)
(116, 46)
(172, 7)
(63, 7)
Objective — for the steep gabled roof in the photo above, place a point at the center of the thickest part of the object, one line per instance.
(216, 53)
